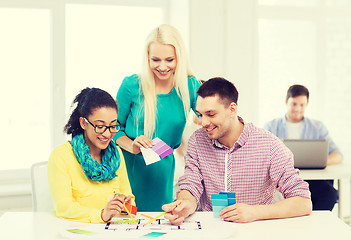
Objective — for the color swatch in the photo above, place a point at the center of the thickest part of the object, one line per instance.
(222, 200)
(81, 231)
(161, 148)
(131, 208)
(153, 154)
(153, 234)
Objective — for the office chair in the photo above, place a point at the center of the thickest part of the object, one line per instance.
(41, 198)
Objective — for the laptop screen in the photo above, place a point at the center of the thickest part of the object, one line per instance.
(308, 153)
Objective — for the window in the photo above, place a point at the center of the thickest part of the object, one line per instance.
(25, 97)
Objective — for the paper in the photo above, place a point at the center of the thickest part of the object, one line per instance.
(160, 224)
(153, 235)
(149, 155)
(204, 227)
(161, 148)
(154, 154)
(80, 231)
(131, 208)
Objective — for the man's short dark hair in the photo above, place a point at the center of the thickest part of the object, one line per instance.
(225, 90)
(296, 91)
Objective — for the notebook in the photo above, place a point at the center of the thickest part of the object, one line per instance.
(309, 153)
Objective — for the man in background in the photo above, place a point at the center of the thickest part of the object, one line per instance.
(294, 125)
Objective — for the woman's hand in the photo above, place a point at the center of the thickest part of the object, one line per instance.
(114, 207)
(141, 141)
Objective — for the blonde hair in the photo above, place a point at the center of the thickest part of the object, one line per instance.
(167, 35)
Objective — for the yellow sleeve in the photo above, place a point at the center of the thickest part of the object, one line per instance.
(123, 176)
(60, 167)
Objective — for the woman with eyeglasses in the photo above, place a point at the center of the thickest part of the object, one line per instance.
(155, 103)
(87, 176)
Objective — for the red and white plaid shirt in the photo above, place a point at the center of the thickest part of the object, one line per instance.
(257, 165)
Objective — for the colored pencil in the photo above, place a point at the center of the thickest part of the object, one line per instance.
(146, 215)
(130, 215)
(158, 216)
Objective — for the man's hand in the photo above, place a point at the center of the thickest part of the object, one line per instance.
(239, 212)
(286, 208)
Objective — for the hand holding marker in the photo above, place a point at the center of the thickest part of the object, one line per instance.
(159, 216)
(128, 212)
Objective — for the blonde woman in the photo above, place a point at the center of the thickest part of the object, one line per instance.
(155, 103)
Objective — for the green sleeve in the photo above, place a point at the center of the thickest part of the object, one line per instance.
(193, 86)
(124, 101)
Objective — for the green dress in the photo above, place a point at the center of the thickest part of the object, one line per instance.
(152, 185)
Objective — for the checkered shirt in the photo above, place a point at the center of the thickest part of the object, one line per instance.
(257, 165)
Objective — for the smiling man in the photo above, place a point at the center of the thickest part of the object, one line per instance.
(230, 155)
(294, 125)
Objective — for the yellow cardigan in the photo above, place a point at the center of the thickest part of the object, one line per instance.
(75, 196)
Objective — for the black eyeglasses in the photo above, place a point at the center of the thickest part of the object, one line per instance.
(103, 128)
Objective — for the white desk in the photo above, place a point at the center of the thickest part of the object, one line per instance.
(334, 172)
(321, 225)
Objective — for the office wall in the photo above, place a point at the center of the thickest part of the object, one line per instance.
(222, 44)
(229, 38)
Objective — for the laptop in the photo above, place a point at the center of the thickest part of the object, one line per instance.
(308, 153)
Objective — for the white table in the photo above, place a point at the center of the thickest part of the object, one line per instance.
(334, 172)
(321, 225)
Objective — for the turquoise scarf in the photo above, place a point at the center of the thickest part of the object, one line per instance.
(95, 171)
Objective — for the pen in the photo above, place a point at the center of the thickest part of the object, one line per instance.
(158, 216)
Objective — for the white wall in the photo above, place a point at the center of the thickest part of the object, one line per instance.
(222, 45)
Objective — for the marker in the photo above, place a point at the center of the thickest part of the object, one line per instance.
(158, 216)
